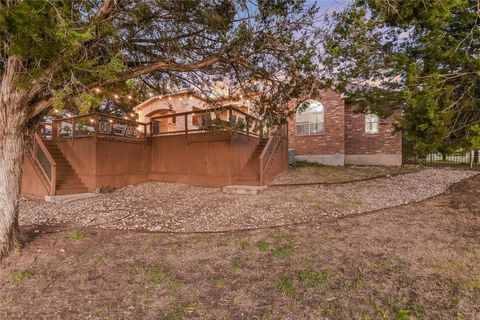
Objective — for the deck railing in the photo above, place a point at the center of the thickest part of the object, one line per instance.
(204, 120)
(98, 125)
(45, 162)
(276, 137)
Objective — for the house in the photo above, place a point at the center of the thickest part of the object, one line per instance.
(188, 138)
(329, 131)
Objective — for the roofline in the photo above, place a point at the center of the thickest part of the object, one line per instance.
(166, 96)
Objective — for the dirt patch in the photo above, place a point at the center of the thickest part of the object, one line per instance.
(308, 173)
(419, 261)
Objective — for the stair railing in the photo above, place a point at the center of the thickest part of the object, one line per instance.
(44, 160)
(269, 150)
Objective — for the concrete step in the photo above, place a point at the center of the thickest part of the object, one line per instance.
(244, 189)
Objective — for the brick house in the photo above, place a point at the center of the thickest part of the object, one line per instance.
(329, 131)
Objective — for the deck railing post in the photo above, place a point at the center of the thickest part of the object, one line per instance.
(247, 121)
(95, 118)
(74, 128)
(186, 124)
(54, 131)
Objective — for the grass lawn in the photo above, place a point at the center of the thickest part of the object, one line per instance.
(308, 172)
(419, 261)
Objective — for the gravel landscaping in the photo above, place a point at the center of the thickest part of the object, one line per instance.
(170, 207)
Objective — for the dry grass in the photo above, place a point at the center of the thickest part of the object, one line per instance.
(307, 172)
(419, 261)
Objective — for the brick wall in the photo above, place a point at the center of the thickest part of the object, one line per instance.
(357, 142)
(332, 140)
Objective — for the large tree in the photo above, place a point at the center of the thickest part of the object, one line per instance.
(419, 56)
(56, 52)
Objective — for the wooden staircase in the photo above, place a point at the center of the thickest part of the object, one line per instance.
(67, 180)
(250, 173)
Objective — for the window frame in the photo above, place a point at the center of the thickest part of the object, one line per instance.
(370, 120)
(310, 124)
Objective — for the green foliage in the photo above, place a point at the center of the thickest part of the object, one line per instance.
(21, 276)
(76, 235)
(285, 284)
(418, 56)
(311, 278)
(262, 245)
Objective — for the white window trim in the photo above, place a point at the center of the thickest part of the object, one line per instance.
(318, 122)
(370, 120)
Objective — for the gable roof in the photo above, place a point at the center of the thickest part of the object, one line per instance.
(171, 95)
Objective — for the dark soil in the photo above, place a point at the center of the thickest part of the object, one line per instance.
(419, 261)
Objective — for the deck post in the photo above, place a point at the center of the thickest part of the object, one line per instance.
(74, 128)
(95, 118)
(54, 131)
(186, 124)
(247, 121)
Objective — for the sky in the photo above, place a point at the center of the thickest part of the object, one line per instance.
(328, 6)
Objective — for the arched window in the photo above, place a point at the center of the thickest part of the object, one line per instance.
(372, 123)
(309, 119)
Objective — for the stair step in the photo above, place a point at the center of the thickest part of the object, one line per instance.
(64, 192)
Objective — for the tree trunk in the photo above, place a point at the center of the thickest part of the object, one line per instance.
(476, 157)
(13, 111)
(11, 165)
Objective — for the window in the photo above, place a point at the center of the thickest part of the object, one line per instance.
(371, 123)
(309, 120)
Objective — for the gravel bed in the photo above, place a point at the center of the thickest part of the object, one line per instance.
(172, 207)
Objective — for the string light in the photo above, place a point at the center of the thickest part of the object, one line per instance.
(115, 96)
(129, 97)
(97, 90)
(91, 120)
(110, 120)
(169, 98)
(125, 117)
(190, 97)
(150, 94)
(181, 99)
(132, 115)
